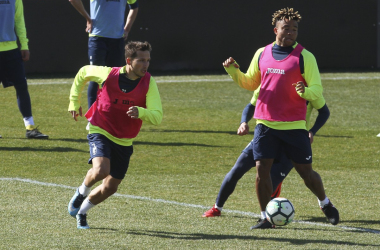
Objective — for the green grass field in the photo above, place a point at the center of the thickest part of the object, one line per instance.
(177, 168)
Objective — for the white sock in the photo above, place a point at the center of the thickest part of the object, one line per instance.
(28, 121)
(263, 215)
(324, 202)
(84, 190)
(86, 205)
(219, 208)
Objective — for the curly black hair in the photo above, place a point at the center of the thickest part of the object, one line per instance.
(285, 13)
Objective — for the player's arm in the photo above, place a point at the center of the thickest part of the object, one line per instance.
(21, 30)
(133, 10)
(78, 5)
(87, 73)
(246, 116)
(314, 88)
(252, 79)
(153, 111)
(323, 115)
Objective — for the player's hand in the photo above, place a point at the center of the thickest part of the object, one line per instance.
(25, 55)
(74, 114)
(243, 129)
(125, 35)
(230, 61)
(311, 136)
(133, 112)
(300, 87)
(89, 26)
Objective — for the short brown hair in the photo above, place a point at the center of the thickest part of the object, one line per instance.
(132, 47)
(285, 13)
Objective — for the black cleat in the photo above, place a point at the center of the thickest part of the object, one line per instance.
(35, 134)
(82, 221)
(331, 213)
(263, 224)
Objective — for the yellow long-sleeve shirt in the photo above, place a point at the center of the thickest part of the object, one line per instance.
(151, 114)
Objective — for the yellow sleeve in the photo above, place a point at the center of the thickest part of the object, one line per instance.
(255, 96)
(87, 73)
(314, 88)
(153, 111)
(20, 25)
(252, 79)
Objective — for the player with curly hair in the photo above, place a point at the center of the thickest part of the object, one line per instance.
(288, 77)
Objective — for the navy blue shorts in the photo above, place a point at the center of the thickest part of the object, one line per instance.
(103, 51)
(268, 142)
(12, 71)
(281, 167)
(101, 146)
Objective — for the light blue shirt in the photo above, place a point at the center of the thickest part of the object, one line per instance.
(108, 17)
(7, 20)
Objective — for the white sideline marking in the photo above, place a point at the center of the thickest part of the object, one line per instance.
(188, 205)
(229, 80)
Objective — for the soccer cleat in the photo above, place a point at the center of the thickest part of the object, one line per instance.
(35, 134)
(82, 221)
(212, 212)
(263, 224)
(1, 137)
(331, 213)
(75, 203)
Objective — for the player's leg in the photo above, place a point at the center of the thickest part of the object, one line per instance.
(243, 164)
(97, 53)
(116, 53)
(119, 163)
(100, 154)
(299, 150)
(266, 146)
(280, 169)
(14, 75)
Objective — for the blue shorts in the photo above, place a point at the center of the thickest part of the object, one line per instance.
(268, 142)
(103, 51)
(281, 167)
(12, 71)
(101, 146)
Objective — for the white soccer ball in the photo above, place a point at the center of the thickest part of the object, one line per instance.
(279, 211)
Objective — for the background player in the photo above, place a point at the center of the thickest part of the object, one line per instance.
(12, 72)
(107, 30)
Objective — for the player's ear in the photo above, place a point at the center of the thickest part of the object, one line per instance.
(129, 61)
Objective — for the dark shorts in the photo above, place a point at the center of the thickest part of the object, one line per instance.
(268, 142)
(12, 70)
(281, 167)
(104, 51)
(101, 146)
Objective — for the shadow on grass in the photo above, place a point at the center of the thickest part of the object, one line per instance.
(200, 236)
(174, 144)
(49, 149)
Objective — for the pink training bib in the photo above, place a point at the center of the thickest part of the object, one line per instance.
(278, 99)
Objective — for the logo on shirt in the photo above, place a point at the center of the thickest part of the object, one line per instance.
(127, 102)
(275, 71)
(4, 2)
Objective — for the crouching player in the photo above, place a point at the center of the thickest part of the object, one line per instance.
(128, 97)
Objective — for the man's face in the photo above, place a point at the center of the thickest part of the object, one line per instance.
(139, 64)
(286, 32)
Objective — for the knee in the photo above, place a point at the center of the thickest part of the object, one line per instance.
(99, 173)
(110, 189)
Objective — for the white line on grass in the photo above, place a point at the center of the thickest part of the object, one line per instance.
(187, 205)
(228, 80)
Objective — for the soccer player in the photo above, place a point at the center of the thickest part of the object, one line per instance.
(128, 97)
(12, 72)
(288, 76)
(245, 162)
(107, 30)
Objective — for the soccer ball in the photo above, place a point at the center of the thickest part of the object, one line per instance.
(279, 211)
